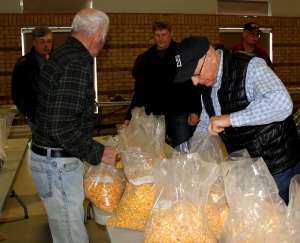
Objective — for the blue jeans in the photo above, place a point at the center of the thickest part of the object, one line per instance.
(178, 130)
(283, 180)
(59, 182)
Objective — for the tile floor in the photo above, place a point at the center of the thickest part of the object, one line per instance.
(35, 229)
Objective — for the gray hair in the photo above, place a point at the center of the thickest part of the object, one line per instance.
(40, 31)
(87, 22)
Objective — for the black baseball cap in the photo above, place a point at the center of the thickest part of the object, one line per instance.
(188, 53)
(251, 26)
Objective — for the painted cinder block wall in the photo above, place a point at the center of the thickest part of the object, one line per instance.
(128, 37)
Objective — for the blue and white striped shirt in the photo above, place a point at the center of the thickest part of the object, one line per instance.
(268, 97)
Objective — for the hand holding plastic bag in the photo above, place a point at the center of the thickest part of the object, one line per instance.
(208, 147)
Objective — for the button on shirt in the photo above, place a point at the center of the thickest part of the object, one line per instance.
(270, 101)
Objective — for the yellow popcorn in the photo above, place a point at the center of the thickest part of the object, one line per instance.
(222, 205)
(134, 207)
(119, 164)
(103, 190)
(178, 223)
(252, 217)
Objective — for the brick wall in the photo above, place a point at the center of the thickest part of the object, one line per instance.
(128, 37)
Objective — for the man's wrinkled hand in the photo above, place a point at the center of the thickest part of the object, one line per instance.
(218, 124)
(109, 155)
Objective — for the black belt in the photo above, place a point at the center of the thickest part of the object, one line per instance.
(54, 152)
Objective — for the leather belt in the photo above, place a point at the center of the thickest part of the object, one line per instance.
(54, 152)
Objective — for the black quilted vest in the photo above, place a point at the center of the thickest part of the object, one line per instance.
(277, 143)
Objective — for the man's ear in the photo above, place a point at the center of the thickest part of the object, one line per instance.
(100, 32)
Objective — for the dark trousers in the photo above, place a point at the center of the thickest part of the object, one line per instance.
(283, 180)
(178, 130)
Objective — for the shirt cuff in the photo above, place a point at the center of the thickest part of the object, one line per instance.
(236, 119)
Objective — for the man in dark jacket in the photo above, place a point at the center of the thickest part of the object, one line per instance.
(155, 89)
(134, 69)
(26, 72)
(245, 103)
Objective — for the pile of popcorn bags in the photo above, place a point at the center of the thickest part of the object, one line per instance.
(198, 195)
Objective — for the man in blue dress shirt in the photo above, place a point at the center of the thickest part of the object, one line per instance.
(245, 103)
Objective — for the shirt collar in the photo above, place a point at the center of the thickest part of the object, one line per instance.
(85, 53)
(220, 71)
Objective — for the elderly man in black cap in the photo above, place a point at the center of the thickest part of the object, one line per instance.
(245, 103)
(251, 36)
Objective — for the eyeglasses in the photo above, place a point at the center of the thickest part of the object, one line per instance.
(253, 33)
(198, 74)
(43, 42)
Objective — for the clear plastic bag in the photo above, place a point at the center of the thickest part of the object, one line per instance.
(294, 199)
(293, 214)
(181, 212)
(208, 147)
(140, 143)
(217, 193)
(6, 118)
(257, 213)
(137, 200)
(144, 131)
(103, 187)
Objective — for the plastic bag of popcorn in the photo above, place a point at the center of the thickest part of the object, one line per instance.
(103, 186)
(182, 212)
(137, 200)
